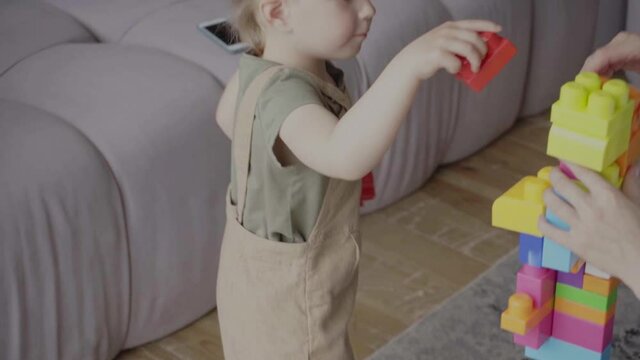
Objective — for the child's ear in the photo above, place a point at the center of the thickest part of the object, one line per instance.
(275, 13)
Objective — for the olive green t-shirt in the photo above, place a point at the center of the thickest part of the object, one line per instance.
(283, 202)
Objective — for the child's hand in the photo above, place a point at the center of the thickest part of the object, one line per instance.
(438, 48)
(605, 224)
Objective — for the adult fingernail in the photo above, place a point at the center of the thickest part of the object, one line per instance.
(564, 167)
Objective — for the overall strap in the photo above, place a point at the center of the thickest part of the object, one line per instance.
(241, 144)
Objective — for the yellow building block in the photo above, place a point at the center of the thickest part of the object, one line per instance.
(598, 285)
(593, 108)
(520, 207)
(520, 316)
(545, 173)
(593, 153)
(613, 174)
(591, 121)
(584, 312)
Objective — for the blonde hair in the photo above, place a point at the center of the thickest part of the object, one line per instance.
(247, 27)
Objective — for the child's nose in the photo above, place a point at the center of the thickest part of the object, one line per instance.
(368, 11)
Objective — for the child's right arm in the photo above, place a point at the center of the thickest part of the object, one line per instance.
(225, 113)
(350, 148)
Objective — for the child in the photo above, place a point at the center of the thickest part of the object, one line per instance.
(290, 253)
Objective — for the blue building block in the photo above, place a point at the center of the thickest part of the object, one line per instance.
(554, 220)
(531, 250)
(554, 255)
(557, 257)
(554, 349)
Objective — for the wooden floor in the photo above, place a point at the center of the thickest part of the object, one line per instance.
(416, 253)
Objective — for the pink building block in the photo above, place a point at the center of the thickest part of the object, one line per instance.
(582, 333)
(565, 169)
(538, 335)
(539, 283)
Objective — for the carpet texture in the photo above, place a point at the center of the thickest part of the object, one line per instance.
(467, 326)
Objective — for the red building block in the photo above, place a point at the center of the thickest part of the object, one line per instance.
(499, 52)
(368, 191)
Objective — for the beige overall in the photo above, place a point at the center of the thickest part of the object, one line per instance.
(279, 301)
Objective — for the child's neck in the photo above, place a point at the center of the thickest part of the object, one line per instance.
(292, 58)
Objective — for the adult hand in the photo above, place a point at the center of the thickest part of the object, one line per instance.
(622, 53)
(605, 224)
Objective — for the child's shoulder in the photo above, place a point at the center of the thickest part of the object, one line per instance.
(287, 80)
(287, 86)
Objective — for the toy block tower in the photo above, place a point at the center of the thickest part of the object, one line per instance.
(564, 308)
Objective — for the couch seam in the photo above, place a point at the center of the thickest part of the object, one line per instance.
(140, 19)
(39, 51)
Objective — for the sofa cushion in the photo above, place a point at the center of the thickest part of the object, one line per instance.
(174, 30)
(64, 257)
(109, 20)
(151, 115)
(422, 140)
(633, 25)
(562, 38)
(28, 27)
(612, 17)
(481, 117)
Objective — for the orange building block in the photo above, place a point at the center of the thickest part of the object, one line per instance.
(576, 267)
(598, 285)
(520, 316)
(632, 155)
(584, 312)
(634, 94)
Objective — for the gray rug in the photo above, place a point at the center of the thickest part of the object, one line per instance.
(467, 326)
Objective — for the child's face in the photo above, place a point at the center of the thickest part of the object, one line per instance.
(330, 29)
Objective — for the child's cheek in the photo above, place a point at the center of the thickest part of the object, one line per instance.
(325, 37)
(344, 30)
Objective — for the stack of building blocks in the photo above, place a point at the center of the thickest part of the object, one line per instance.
(564, 308)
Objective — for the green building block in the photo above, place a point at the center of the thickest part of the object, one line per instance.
(587, 298)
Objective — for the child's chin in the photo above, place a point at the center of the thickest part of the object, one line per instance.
(347, 53)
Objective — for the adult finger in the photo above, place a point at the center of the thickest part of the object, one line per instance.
(567, 189)
(560, 236)
(594, 182)
(597, 62)
(560, 208)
